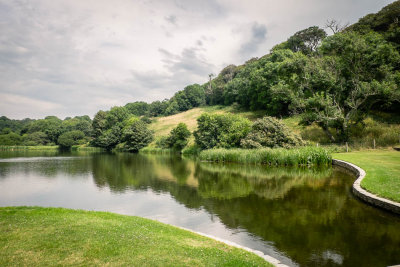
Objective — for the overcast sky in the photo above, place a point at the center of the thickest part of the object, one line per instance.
(75, 57)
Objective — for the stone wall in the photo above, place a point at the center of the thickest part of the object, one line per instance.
(364, 194)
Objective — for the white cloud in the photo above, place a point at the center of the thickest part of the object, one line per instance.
(82, 56)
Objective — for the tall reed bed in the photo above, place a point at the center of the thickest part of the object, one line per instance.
(303, 156)
(87, 149)
(156, 150)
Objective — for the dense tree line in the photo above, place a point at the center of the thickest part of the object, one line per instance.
(332, 81)
(48, 131)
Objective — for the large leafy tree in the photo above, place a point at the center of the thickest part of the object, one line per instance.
(68, 139)
(357, 72)
(178, 137)
(136, 136)
(307, 40)
(221, 130)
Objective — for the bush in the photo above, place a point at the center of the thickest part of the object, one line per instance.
(221, 130)
(68, 139)
(136, 136)
(178, 137)
(10, 139)
(161, 142)
(191, 150)
(36, 139)
(270, 132)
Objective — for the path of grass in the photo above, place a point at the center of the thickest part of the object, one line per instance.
(33, 236)
(382, 168)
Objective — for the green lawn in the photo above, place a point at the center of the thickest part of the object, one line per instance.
(382, 168)
(34, 236)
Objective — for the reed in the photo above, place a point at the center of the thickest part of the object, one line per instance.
(18, 148)
(157, 150)
(303, 156)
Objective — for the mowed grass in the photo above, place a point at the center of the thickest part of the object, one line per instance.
(382, 168)
(34, 236)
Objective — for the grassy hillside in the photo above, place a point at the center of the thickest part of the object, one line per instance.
(163, 125)
(383, 127)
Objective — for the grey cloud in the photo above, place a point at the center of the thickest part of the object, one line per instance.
(76, 57)
(185, 68)
(258, 36)
(171, 19)
(207, 8)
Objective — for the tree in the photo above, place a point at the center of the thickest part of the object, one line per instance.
(109, 138)
(138, 108)
(136, 136)
(35, 139)
(335, 26)
(359, 71)
(178, 137)
(116, 115)
(68, 139)
(270, 132)
(220, 130)
(10, 138)
(307, 40)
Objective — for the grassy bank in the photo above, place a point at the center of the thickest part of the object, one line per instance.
(382, 168)
(303, 156)
(11, 148)
(49, 148)
(157, 150)
(33, 236)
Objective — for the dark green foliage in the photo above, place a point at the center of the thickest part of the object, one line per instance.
(136, 136)
(35, 139)
(307, 40)
(178, 137)
(270, 132)
(138, 108)
(99, 123)
(385, 22)
(221, 130)
(15, 125)
(357, 72)
(109, 138)
(10, 139)
(68, 139)
(214, 91)
(158, 108)
(116, 116)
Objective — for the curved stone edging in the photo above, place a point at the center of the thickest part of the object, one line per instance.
(363, 194)
(267, 258)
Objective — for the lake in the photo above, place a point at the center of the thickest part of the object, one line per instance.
(304, 217)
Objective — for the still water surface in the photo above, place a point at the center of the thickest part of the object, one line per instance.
(304, 217)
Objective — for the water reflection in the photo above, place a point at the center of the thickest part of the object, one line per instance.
(308, 215)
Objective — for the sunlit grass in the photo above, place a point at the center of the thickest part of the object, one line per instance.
(33, 236)
(382, 168)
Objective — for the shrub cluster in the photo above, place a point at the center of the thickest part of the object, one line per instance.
(221, 130)
(270, 132)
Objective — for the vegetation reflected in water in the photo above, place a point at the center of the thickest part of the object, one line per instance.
(308, 214)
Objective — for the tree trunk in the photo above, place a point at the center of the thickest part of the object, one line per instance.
(328, 133)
